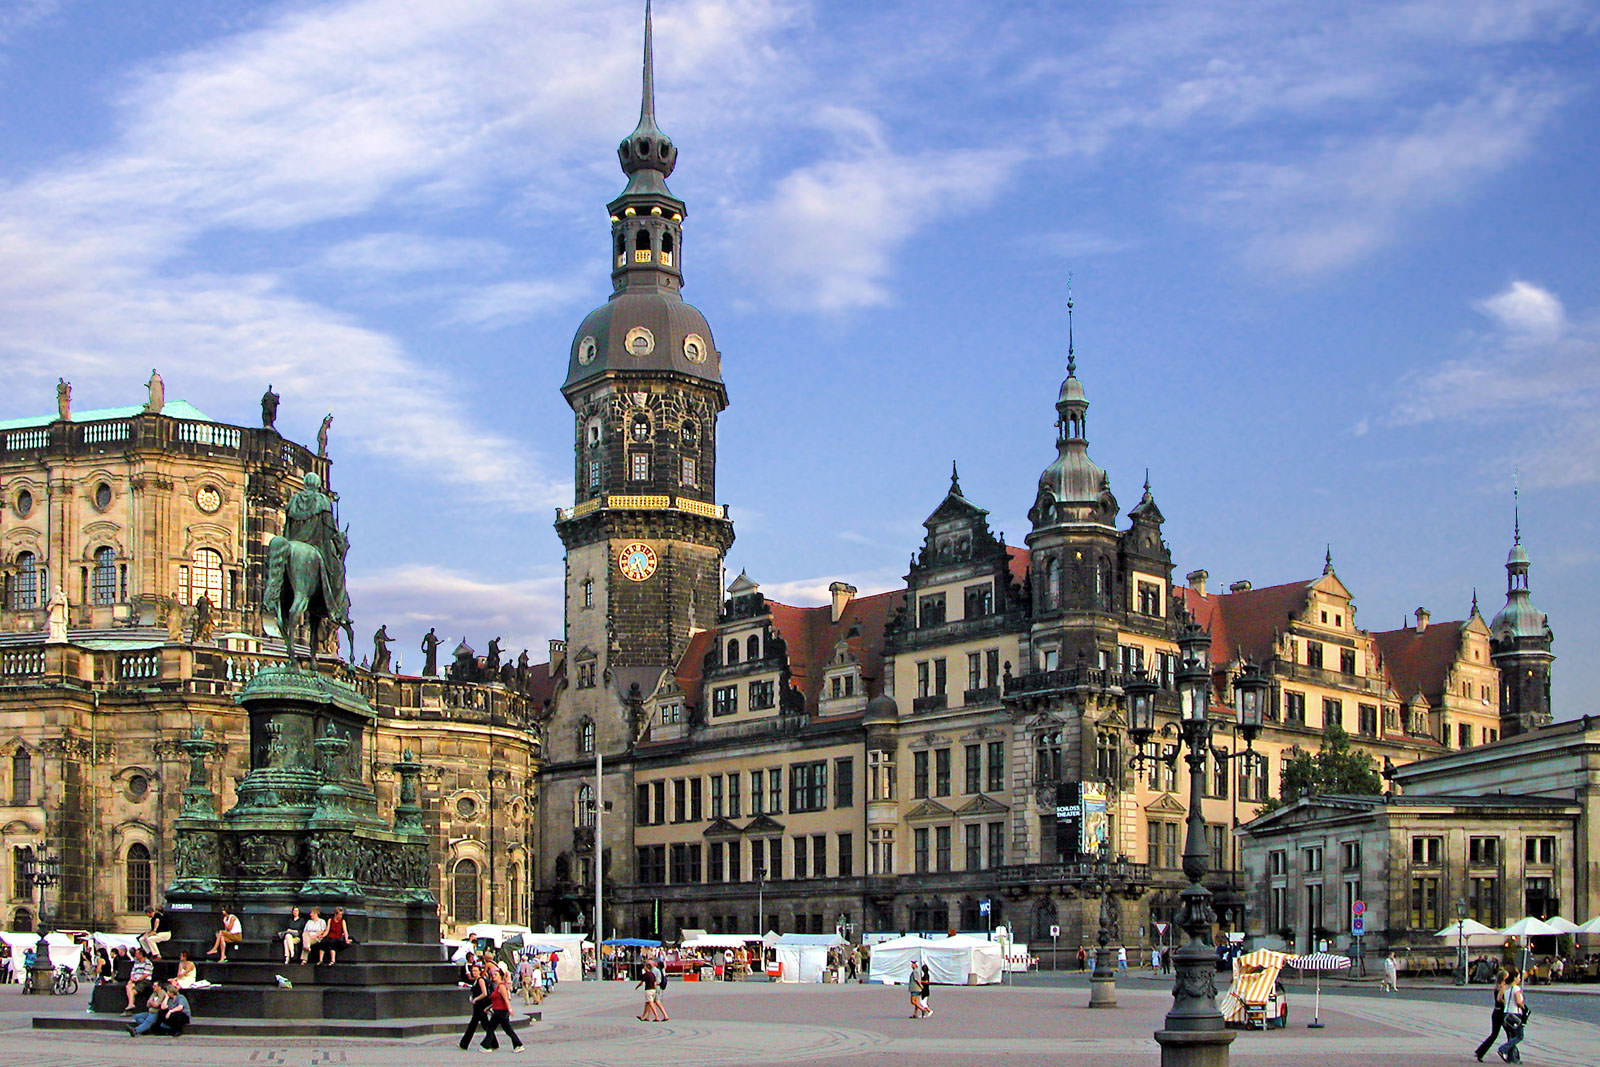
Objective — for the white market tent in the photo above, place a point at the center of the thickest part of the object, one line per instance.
(722, 941)
(803, 957)
(569, 968)
(64, 952)
(957, 960)
(497, 933)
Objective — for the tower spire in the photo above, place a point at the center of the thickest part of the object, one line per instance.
(648, 155)
(955, 479)
(647, 102)
(1072, 358)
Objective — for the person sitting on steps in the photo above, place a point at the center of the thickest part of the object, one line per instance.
(337, 937)
(315, 928)
(230, 934)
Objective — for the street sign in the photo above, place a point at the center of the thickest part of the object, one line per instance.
(1161, 929)
(1358, 925)
(983, 907)
(1358, 908)
(1055, 931)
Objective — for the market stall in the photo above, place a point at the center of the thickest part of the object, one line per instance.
(64, 952)
(745, 948)
(957, 960)
(803, 957)
(1255, 998)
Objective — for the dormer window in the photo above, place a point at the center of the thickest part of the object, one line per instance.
(752, 647)
(733, 652)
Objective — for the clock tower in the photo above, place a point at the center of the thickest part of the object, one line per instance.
(645, 537)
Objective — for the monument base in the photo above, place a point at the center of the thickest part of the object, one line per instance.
(1194, 1048)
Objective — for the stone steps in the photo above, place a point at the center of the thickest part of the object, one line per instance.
(380, 1029)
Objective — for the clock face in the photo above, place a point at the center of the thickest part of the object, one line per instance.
(586, 350)
(637, 561)
(207, 498)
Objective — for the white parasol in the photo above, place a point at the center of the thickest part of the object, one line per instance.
(1526, 928)
(1590, 927)
(1565, 926)
(1319, 962)
(1466, 928)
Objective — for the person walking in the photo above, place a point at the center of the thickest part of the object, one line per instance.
(1497, 1017)
(499, 1016)
(1122, 959)
(478, 995)
(1391, 975)
(927, 992)
(652, 991)
(1083, 958)
(1515, 1020)
(914, 986)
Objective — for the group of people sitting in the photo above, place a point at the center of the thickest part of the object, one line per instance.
(166, 1011)
(315, 939)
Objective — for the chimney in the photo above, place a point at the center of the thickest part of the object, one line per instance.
(842, 592)
(1423, 615)
(1241, 586)
(1197, 582)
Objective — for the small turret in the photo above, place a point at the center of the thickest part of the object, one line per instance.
(1519, 644)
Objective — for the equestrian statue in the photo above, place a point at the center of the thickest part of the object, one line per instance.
(305, 571)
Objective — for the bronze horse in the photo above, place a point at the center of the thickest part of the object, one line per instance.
(296, 591)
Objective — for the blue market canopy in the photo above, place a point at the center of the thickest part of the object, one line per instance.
(632, 942)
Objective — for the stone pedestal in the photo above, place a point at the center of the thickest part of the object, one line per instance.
(1194, 1048)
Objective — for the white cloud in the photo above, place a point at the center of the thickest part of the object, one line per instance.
(1535, 379)
(508, 303)
(814, 592)
(827, 235)
(1525, 308)
(409, 253)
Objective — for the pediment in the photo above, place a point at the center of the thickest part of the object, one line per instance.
(764, 824)
(18, 828)
(1165, 804)
(983, 805)
(929, 809)
(721, 828)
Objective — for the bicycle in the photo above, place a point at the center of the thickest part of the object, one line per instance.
(65, 984)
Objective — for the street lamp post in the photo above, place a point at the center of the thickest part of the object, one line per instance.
(761, 901)
(1108, 879)
(1194, 1034)
(1461, 941)
(43, 871)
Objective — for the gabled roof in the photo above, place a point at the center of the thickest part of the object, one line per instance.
(1245, 624)
(1417, 664)
(812, 633)
(540, 685)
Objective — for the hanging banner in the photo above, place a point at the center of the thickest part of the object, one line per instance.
(1083, 821)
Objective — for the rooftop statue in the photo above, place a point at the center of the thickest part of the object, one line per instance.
(305, 570)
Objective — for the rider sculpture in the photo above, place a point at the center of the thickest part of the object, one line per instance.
(305, 568)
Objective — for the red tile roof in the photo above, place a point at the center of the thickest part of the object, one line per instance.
(1245, 624)
(1418, 663)
(1019, 560)
(693, 664)
(811, 634)
(540, 685)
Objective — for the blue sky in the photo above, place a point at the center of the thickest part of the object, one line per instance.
(1333, 263)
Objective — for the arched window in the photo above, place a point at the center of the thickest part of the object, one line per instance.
(1047, 757)
(733, 651)
(622, 245)
(139, 880)
(641, 241)
(586, 736)
(206, 576)
(584, 816)
(25, 582)
(104, 587)
(513, 899)
(1052, 582)
(464, 892)
(21, 778)
(752, 647)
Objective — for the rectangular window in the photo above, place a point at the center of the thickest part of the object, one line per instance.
(1483, 900)
(1367, 719)
(639, 466)
(1219, 777)
(1152, 842)
(844, 782)
(847, 859)
(695, 811)
(1149, 598)
(919, 775)
(714, 862)
(689, 471)
(919, 850)
(757, 793)
(1277, 862)
(800, 855)
(1332, 713)
(922, 678)
(1483, 851)
(716, 796)
(939, 677)
(1425, 903)
(978, 601)
(594, 474)
(1539, 850)
(686, 864)
(724, 700)
(974, 842)
(680, 800)
(763, 695)
(1166, 669)
(641, 804)
(775, 791)
(1311, 860)
(973, 766)
(1351, 851)
(991, 665)
(941, 847)
(658, 802)
(1217, 838)
(1314, 653)
(653, 864)
(930, 610)
(1294, 708)
(1347, 660)
(734, 849)
(819, 855)
(941, 773)
(1463, 735)
(997, 844)
(1131, 658)
(774, 857)
(1169, 846)
(808, 786)
(1275, 908)
(997, 766)
(974, 670)
(1426, 851)
(733, 795)
(880, 775)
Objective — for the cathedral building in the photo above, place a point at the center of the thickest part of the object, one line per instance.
(133, 546)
